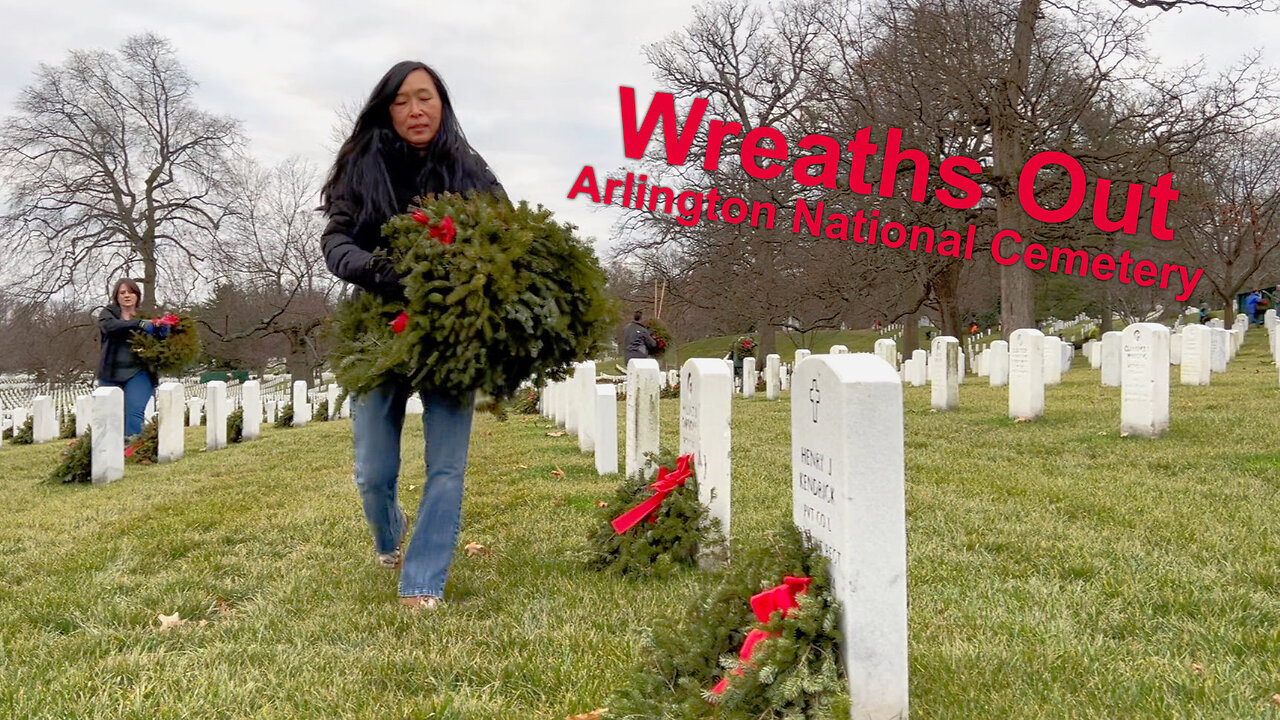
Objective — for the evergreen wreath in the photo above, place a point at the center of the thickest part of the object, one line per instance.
(321, 413)
(794, 674)
(68, 429)
(681, 526)
(284, 418)
(172, 346)
(661, 334)
(24, 435)
(76, 465)
(496, 295)
(235, 425)
(145, 449)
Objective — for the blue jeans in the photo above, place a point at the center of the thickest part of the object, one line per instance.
(137, 391)
(377, 418)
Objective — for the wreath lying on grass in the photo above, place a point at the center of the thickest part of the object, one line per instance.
(650, 527)
(24, 435)
(170, 347)
(707, 664)
(145, 449)
(496, 295)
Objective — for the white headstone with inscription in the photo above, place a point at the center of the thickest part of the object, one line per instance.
(642, 416)
(839, 350)
(301, 409)
(706, 399)
(1196, 367)
(251, 403)
(848, 493)
(944, 362)
(1144, 394)
(1111, 358)
(772, 376)
(44, 422)
(1218, 340)
(1026, 374)
(84, 409)
(215, 424)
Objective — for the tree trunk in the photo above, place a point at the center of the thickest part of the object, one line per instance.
(148, 253)
(768, 338)
(1017, 284)
(946, 287)
(910, 334)
(1105, 326)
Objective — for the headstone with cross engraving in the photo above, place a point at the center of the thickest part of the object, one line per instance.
(1144, 394)
(848, 494)
(706, 399)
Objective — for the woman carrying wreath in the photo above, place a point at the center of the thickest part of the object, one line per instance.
(119, 365)
(406, 143)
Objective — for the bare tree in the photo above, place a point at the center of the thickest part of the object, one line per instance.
(109, 163)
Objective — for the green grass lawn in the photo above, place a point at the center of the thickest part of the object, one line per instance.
(1056, 570)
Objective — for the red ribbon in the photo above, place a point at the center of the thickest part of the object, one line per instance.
(421, 217)
(400, 323)
(445, 232)
(776, 599)
(662, 487)
(168, 319)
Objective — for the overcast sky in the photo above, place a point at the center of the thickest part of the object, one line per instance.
(535, 84)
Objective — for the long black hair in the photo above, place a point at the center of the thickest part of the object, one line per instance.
(360, 172)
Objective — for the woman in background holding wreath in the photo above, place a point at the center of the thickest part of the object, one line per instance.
(406, 143)
(119, 365)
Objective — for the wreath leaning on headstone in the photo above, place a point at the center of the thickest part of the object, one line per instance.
(495, 295)
(284, 418)
(650, 527)
(235, 425)
(145, 448)
(721, 661)
(76, 465)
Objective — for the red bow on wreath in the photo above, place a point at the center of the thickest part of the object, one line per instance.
(781, 598)
(445, 232)
(168, 319)
(400, 323)
(662, 487)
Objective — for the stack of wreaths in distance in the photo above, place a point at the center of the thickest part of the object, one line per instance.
(494, 294)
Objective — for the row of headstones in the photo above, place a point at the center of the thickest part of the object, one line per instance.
(105, 413)
(848, 487)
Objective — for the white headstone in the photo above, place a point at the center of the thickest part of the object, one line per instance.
(44, 422)
(944, 362)
(301, 413)
(839, 350)
(331, 401)
(1026, 374)
(848, 493)
(251, 404)
(642, 416)
(215, 402)
(1196, 366)
(1144, 394)
(983, 364)
(1218, 340)
(960, 377)
(998, 368)
(1175, 348)
(918, 375)
(706, 397)
(784, 375)
(272, 407)
(170, 436)
(887, 350)
(673, 378)
(1052, 360)
(748, 377)
(772, 376)
(1095, 356)
(573, 403)
(1112, 355)
(1269, 319)
(605, 432)
(84, 409)
(195, 408)
(586, 399)
(800, 355)
(346, 406)
(107, 453)
(1068, 353)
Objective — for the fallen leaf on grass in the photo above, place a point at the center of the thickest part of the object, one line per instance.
(596, 714)
(1198, 669)
(1021, 420)
(522, 467)
(168, 622)
(601, 504)
(202, 623)
(1275, 699)
(557, 501)
(557, 472)
(475, 548)
(556, 433)
(222, 606)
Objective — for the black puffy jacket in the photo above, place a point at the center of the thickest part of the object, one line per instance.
(118, 362)
(349, 245)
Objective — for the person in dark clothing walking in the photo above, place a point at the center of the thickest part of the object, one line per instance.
(637, 340)
(406, 143)
(119, 366)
